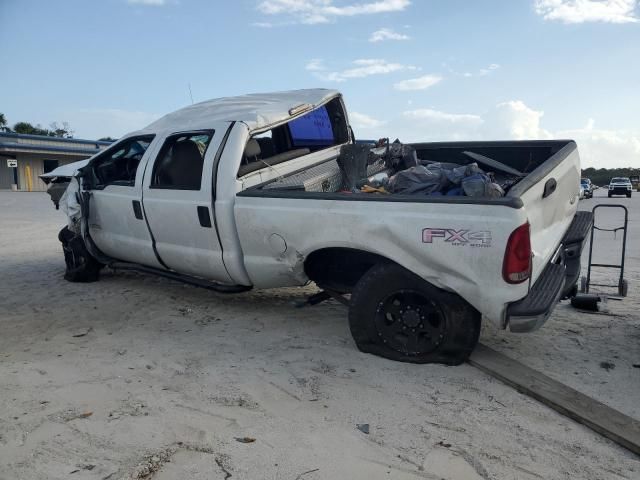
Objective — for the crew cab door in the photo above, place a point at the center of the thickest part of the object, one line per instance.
(178, 200)
(116, 221)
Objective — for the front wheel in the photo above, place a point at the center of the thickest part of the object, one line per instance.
(81, 266)
(397, 315)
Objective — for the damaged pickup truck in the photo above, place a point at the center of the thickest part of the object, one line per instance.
(421, 241)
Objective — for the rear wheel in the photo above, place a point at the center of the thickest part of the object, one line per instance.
(629, 195)
(397, 315)
(609, 195)
(81, 266)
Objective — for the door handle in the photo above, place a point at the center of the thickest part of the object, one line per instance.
(137, 209)
(203, 216)
(549, 187)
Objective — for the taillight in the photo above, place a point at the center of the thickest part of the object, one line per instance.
(517, 257)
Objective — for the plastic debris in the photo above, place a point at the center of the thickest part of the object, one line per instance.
(245, 439)
(363, 427)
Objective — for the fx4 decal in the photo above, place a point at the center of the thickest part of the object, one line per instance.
(459, 238)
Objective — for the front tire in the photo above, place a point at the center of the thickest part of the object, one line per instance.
(81, 266)
(397, 315)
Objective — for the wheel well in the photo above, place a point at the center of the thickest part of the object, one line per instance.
(340, 268)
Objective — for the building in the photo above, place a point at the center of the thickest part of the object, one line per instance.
(34, 155)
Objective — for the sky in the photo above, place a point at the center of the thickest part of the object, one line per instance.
(417, 70)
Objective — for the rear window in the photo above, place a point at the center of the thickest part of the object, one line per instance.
(316, 130)
(312, 130)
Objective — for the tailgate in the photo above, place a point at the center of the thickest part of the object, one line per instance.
(550, 196)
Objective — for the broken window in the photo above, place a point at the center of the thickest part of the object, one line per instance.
(119, 164)
(318, 129)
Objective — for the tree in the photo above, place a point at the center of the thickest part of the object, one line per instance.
(3, 123)
(62, 131)
(107, 139)
(56, 130)
(27, 128)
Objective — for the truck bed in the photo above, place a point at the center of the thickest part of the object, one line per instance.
(528, 157)
(292, 207)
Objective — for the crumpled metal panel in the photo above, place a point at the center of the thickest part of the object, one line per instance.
(256, 110)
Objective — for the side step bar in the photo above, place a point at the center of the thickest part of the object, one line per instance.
(195, 281)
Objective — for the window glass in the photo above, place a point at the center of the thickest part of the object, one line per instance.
(179, 163)
(312, 129)
(118, 165)
(49, 165)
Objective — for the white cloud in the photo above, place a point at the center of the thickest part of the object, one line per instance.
(315, 65)
(581, 11)
(436, 116)
(483, 72)
(420, 83)
(605, 148)
(110, 122)
(323, 11)
(362, 121)
(512, 120)
(386, 34)
(148, 3)
(486, 71)
(364, 67)
(517, 121)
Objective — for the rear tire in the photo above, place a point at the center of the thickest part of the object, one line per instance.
(81, 266)
(397, 315)
(609, 195)
(629, 195)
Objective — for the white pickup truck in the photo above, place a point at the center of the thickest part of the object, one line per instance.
(247, 192)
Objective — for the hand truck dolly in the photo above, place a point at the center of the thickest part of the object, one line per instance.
(622, 285)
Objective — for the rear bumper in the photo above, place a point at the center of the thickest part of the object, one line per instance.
(556, 281)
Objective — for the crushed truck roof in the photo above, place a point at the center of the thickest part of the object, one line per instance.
(257, 110)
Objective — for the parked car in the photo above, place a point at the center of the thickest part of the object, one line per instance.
(248, 192)
(620, 186)
(588, 187)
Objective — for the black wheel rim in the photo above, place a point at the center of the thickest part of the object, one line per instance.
(410, 323)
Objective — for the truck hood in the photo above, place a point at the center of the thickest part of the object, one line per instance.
(67, 170)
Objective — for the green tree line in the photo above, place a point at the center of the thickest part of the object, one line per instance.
(61, 130)
(602, 176)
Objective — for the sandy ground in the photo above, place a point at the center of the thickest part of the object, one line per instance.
(136, 374)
